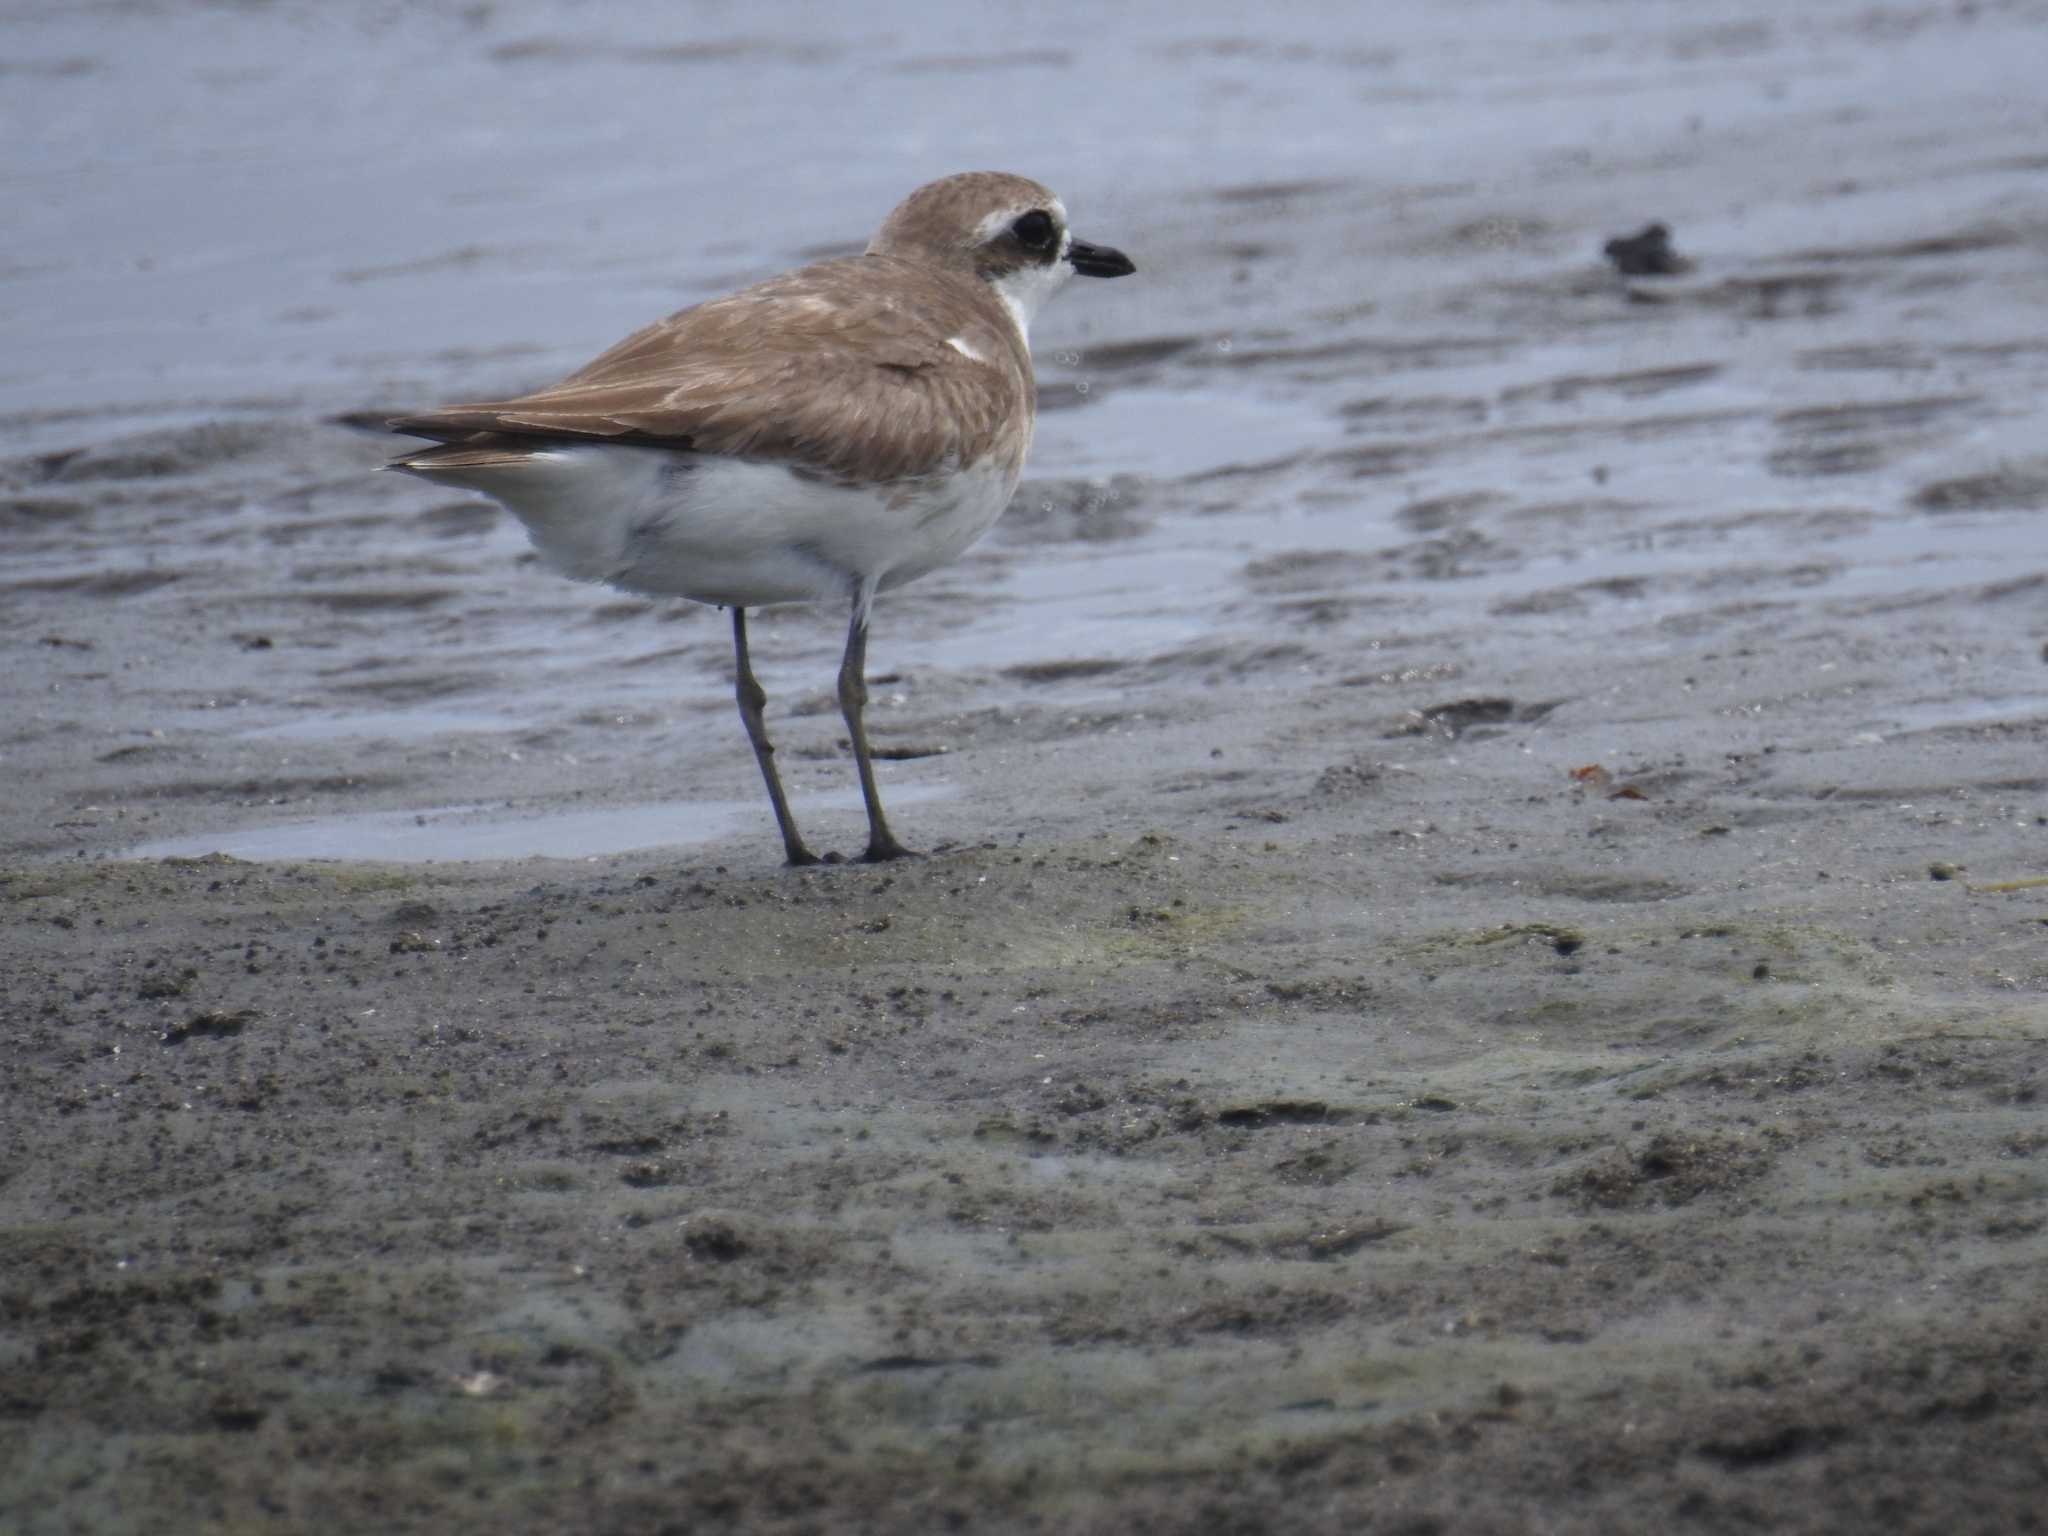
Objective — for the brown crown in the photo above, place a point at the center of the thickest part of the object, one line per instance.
(941, 221)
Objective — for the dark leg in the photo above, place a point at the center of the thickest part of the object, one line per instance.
(853, 698)
(752, 697)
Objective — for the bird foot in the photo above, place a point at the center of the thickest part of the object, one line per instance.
(881, 851)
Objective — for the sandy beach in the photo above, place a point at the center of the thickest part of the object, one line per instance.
(1482, 964)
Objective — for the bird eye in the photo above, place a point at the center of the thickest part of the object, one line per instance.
(1035, 230)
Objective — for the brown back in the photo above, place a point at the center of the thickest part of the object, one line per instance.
(845, 368)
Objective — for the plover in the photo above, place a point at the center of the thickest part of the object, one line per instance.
(819, 437)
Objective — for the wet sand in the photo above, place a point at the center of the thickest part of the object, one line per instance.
(1484, 960)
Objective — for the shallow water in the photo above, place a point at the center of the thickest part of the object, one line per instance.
(1372, 390)
(478, 832)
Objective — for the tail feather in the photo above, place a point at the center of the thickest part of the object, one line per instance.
(484, 450)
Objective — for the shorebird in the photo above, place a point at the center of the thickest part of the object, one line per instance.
(819, 437)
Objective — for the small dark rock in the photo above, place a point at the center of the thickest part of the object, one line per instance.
(715, 1241)
(215, 1021)
(158, 987)
(1647, 253)
(1453, 719)
(235, 1414)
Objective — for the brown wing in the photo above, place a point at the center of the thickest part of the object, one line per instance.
(847, 368)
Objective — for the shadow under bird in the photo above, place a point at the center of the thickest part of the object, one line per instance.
(819, 437)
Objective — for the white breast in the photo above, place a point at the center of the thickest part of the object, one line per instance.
(736, 533)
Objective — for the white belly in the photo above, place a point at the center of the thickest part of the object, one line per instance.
(731, 532)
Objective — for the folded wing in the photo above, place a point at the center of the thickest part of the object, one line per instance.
(862, 369)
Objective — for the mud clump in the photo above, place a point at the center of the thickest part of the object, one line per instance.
(1672, 1169)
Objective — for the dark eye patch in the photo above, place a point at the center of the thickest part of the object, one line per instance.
(1035, 231)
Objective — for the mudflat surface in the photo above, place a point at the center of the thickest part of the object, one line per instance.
(1484, 959)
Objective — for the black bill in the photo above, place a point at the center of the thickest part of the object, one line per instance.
(1099, 260)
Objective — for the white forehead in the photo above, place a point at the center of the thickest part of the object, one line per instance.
(995, 223)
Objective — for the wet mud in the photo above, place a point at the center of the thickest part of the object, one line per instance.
(1482, 963)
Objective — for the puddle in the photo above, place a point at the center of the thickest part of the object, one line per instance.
(1960, 714)
(1177, 432)
(460, 832)
(389, 725)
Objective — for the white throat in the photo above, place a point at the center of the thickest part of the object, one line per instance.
(1025, 291)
